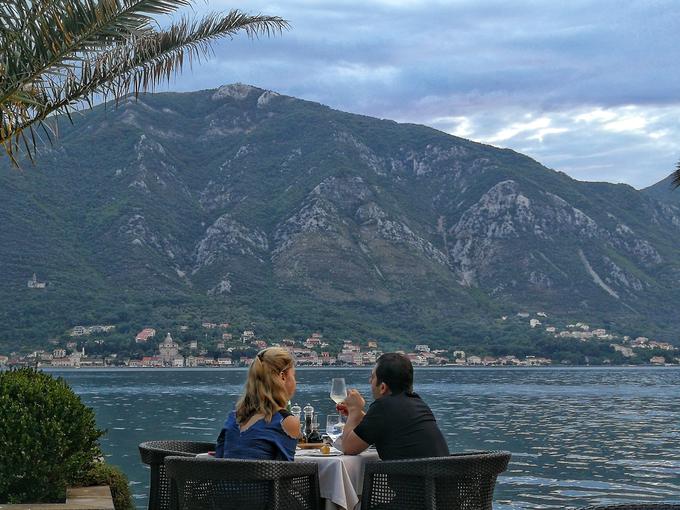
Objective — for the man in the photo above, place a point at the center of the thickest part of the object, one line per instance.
(398, 422)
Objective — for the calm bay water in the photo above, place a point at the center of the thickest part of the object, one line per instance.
(578, 436)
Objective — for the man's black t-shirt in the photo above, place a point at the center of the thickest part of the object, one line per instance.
(402, 426)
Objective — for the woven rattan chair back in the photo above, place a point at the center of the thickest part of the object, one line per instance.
(635, 506)
(460, 481)
(153, 454)
(211, 484)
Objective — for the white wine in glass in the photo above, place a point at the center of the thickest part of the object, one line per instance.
(338, 390)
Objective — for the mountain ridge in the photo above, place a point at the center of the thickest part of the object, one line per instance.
(286, 210)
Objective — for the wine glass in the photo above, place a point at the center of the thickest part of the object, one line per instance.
(338, 390)
(334, 426)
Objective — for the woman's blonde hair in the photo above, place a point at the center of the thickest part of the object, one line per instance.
(265, 392)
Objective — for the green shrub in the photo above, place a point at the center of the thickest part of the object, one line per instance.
(48, 437)
(106, 474)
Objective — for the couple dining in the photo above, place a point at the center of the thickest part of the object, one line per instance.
(398, 422)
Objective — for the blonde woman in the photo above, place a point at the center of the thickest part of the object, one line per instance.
(260, 427)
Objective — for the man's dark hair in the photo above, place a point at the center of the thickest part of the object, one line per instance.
(396, 371)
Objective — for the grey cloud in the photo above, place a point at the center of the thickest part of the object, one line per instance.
(491, 61)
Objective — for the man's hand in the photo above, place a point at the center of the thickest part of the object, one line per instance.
(353, 408)
(354, 402)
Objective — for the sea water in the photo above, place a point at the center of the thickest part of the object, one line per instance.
(578, 436)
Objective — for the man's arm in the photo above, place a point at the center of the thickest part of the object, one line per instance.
(351, 443)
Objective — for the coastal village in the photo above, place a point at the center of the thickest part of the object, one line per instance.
(315, 351)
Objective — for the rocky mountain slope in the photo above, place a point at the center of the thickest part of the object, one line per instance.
(246, 203)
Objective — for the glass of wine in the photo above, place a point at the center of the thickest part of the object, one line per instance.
(334, 426)
(338, 390)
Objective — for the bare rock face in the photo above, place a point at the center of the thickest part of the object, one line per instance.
(222, 287)
(237, 91)
(504, 215)
(671, 213)
(138, 233)
(265, 98)
(227, 236)
(618, 277)
(315, 217)
(502, 212)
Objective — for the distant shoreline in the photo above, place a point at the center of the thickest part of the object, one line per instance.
(365, 368)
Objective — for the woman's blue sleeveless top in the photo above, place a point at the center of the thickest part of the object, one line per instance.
(261, 441)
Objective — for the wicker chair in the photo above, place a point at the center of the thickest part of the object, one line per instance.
(635, 506)
(153, 453)
(460, 481)
(209, 484)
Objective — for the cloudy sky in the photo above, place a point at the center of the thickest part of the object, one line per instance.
(591, 88)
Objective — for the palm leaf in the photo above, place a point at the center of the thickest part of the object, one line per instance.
(69, 52)
(48, 40)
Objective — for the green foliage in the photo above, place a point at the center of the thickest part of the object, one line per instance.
(106, 474)
(49, 437)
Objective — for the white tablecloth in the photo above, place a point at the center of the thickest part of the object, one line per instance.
(340, 477)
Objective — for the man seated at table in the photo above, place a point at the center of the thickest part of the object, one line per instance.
(398, 422)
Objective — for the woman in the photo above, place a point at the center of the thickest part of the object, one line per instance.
(261, 427)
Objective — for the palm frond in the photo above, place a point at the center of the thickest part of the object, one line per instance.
(47, 39)
(105, 48)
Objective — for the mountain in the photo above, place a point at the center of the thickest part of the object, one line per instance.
(664, 191)
(266, 210)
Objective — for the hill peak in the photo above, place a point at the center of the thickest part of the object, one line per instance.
(237, 91)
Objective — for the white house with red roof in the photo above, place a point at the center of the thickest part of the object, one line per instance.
(144, 335)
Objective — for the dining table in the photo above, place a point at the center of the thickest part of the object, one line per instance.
(341, 477)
